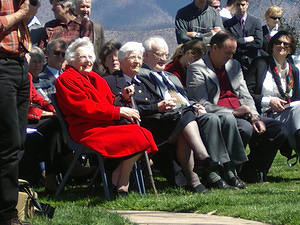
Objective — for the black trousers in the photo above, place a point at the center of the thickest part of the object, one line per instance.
(14, 100)
(263, 148)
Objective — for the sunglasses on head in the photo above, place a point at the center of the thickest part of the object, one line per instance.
(285, 44)
(275, 17)
(57, 53)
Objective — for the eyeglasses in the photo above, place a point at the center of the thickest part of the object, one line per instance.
(285, 44)
(57, 53)
(216, 6)
(275, 17)
(161, 55)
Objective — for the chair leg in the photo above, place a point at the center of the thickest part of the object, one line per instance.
(107, 191)
(66, 176)
(138, 176)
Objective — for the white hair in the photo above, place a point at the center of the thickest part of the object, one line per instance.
(79, 43)
(36, 51)
(130, 46)
(160, 41)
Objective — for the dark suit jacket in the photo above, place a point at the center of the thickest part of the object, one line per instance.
(116, 82)
(147, 92)
(256, 77)
(252, 28)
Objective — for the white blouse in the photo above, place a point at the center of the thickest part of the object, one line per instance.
(269, 88)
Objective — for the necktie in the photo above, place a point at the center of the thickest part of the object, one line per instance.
(242, 23)
(173, 93)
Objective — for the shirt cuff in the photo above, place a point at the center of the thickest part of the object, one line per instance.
(265, 101)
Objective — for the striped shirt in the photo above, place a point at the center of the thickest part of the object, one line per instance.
(9, 39)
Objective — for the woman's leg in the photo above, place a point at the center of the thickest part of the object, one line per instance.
(185, 158)
(120, 176)
(192, 136)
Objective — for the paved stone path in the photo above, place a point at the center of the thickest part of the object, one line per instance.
(163, 218)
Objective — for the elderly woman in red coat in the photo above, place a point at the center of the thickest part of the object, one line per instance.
(86, 101)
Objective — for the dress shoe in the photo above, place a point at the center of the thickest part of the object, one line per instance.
(122, 193)
(14, 221)
(210, 165)
(236, 182)
(200, 188)
(221, 184)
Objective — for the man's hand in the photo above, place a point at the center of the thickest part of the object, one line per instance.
(259, 126)
(249, 39)
(242, 111)
(216, 29)
(166, 105)
(199, 108)
(191, 34)
(130, 114)
(127, 92)
(277, 104)
(28, 10)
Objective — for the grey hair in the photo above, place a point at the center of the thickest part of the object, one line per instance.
(130, 46)
(85, 43)
(154, 39)
(36, 51)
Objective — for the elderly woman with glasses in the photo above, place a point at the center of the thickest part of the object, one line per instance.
(273, 16)
(273, 82)
(86, 102)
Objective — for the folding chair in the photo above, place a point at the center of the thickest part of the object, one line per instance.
(80, 149)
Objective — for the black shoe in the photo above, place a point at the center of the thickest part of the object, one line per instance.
(210, 165)
(122, 193)
(236, 182)
(200, 188)
(221, 184)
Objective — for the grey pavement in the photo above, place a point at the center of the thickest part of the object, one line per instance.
(162, 217)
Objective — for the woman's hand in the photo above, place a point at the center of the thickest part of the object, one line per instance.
(127, 92)
(277, 104)
(166, 105)
(130, 114)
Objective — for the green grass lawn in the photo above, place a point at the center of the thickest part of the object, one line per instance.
(274, 202)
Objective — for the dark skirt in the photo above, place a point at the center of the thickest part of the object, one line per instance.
(167, 130)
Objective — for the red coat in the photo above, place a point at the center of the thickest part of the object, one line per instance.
(35, 113)
(87, 104)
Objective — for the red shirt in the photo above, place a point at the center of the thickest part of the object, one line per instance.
(227, 97)
(55, 29)
(9, 40)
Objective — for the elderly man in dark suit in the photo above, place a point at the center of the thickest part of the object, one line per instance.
(216, 81)
(248, 31)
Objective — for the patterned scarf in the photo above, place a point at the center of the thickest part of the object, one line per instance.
(289, 82)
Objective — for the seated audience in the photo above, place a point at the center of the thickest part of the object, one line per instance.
(109, 57)
(272, 16)
(216, 81)
(160, 96)
(183, 57)
(86, 102)
(273, 82)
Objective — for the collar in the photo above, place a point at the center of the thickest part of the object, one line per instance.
(128, 79)
(55, 72)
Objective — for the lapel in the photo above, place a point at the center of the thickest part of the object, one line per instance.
(236, 26)
(231, 72)
(176, 82)
(210, 72)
